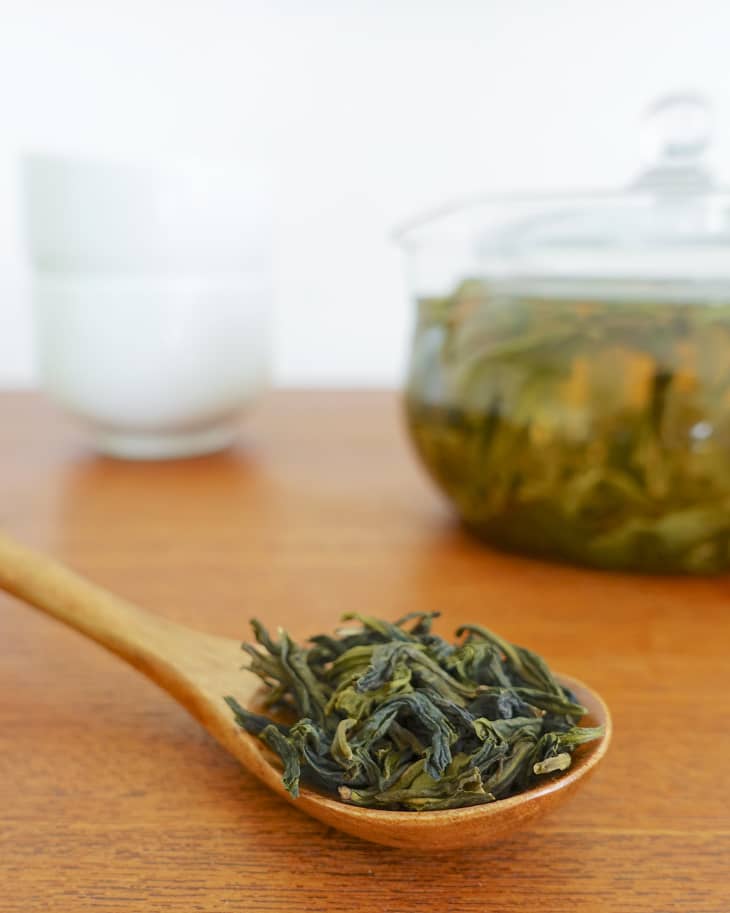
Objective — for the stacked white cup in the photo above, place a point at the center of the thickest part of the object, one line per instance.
(152, 300)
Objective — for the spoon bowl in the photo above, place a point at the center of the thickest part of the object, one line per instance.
(475, 825)
(199, 669)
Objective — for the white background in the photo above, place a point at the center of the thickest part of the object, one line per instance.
(368, 112)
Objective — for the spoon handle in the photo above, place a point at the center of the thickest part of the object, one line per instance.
(155, 646)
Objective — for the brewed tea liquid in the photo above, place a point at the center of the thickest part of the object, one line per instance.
(589, 428)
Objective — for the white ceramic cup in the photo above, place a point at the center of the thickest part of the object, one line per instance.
(152, 300)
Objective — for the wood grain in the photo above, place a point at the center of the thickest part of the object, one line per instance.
(112, 798)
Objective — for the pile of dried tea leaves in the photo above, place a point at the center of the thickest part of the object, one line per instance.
(391, 716)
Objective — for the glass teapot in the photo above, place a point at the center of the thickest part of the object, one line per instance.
(569, 382)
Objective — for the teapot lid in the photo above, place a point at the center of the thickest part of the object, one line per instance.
(670, 224)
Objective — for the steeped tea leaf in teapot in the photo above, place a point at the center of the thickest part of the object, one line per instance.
(591, 426)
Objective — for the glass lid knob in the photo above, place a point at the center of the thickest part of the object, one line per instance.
(675, 134)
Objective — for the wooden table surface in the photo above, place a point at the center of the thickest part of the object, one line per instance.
(112, 798)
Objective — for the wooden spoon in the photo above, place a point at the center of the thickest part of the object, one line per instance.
(199, 669)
